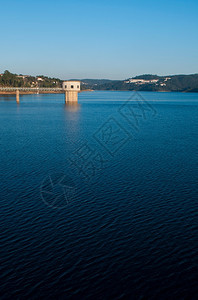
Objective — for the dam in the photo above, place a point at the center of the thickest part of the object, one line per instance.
(70, 88)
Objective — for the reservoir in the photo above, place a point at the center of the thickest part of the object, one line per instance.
(99, 200)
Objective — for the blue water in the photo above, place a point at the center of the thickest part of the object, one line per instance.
(99, 200)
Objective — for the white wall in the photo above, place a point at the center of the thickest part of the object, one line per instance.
(67, 85)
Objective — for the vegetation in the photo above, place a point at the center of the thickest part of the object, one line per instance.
(146, 82)
(181, 83)
(8, 79)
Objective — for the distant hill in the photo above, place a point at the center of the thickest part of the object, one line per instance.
(8, 79)
(145, 82)
(149, 82)
(96, 83)
(147, 77)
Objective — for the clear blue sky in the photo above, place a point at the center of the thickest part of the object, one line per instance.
(99, 39)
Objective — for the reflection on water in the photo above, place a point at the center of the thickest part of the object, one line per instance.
(72, 106)
(72, 116)
(7, 97)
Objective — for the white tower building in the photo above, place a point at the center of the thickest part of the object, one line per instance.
(71, 88)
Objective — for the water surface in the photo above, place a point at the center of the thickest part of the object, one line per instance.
(123, 222)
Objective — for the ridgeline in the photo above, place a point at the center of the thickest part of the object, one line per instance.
(147, 82)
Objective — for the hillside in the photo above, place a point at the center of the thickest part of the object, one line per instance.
(182, 83)
(8, 79)
(146, 82)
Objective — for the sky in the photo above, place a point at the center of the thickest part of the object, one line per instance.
(99, 39)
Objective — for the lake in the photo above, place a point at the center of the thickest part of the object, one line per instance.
(99, 200)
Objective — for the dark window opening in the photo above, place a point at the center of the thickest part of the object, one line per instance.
(65, 87)
(77, 86)
(72, 86)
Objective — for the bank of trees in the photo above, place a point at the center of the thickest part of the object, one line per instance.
(8, 79)
(182, 83)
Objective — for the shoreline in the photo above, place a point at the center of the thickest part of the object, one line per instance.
(88, 90)
(34, 93)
